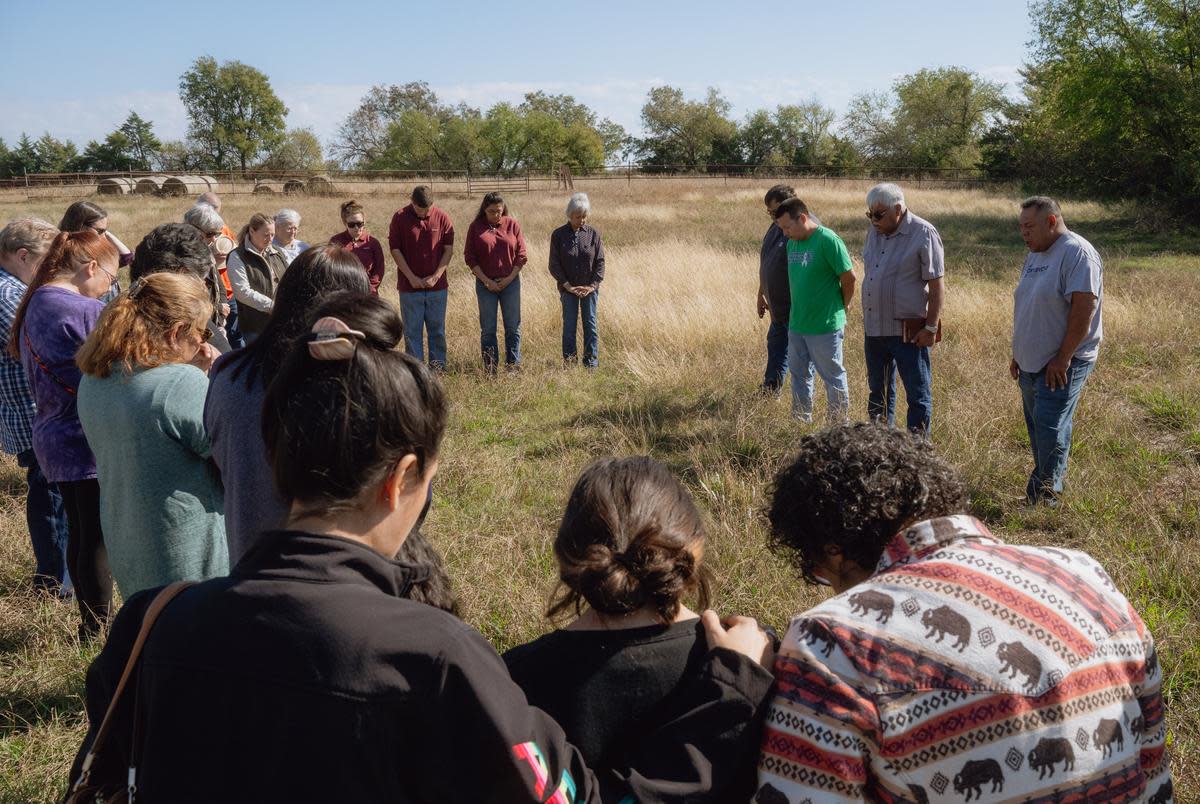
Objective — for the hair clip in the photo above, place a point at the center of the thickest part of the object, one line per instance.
(332, 339)
(135, 289)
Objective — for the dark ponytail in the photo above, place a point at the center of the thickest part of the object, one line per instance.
(336, 427)
(630, 538)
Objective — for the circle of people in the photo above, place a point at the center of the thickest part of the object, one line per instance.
(261, 513)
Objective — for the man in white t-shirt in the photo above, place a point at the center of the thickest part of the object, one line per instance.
(1056, 337)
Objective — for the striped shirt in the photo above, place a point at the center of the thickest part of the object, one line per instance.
(897, 270)
(16, 402)
(968, 669)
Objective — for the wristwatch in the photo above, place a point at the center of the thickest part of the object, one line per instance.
(931, 329)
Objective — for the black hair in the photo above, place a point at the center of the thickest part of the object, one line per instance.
(430, 583)
(629, 539)
(1044, 204)
(488, 200)
(792, 207)
(317, 273)
(81, 215)
(422, 196)
(855, 487)
(780, 193)
(175, 247)
(334, 428)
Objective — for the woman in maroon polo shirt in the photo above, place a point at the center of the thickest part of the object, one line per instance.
(495, 253)
(364, 246)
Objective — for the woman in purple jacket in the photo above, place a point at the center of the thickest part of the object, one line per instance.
(59, 310)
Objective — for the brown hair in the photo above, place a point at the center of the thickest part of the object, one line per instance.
(629, 539)
(349, 208)
(67, 250)
(257, 221)
(32, 234)
(81, 215)
(489, 200)
(133, 328)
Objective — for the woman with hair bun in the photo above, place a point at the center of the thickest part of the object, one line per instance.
(141, 402)
(307, 675)
(629, 549)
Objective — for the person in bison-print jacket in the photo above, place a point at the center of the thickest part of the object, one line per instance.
(949, 666)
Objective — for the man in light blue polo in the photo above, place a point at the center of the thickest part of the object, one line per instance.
(1056, 337)
(902, 295)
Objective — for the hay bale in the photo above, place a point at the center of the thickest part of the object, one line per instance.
(184, 185)
(117, 185)
(266, 187)
(294, 187)
(149, 185)
(213, 184)
(321, 185)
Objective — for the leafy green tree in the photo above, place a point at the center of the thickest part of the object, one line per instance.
(682, 131)
(365, 135)
(234, 115)
(23, 158)
(141, 145)
(54, 156)
(299, 151)
(182, 157)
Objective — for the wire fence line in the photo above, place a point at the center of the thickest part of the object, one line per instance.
(470, 183)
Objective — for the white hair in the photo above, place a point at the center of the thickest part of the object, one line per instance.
(579, 203)
(204, 218)
(210, 198)
(887, 194)
(287, 216)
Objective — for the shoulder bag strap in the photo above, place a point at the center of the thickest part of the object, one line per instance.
(156, 608)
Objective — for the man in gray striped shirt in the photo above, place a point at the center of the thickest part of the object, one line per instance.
(902, 297)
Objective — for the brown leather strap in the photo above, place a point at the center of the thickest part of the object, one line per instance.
(156, 608)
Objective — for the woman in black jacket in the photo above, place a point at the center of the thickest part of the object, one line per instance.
(306, 675)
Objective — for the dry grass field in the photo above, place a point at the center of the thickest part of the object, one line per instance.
(681, 355)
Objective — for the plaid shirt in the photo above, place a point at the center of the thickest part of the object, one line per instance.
(16, 402)
(966, 669)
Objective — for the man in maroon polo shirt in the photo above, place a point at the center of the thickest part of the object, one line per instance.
(421, 238)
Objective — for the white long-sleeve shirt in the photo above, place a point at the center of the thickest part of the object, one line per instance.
(242, 291)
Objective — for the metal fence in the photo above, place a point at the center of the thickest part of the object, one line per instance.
(285, 183)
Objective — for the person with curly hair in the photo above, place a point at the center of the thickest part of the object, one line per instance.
(946, 657)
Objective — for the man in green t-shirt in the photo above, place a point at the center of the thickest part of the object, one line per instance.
(821, 278)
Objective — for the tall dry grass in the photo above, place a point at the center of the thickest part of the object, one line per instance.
(681, 355)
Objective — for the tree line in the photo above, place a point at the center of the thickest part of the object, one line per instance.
(1109, 106)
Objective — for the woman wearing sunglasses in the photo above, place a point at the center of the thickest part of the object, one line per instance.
(87, 215)
(141, 402)
(59, 310)
(363, 245)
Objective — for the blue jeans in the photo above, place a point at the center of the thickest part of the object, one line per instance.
(574, 308)
(509, 302)
(1048, 417)
(425, 311)
(777, 357)
(47, 523)
(886, 354)
(824, 353)
(233, 332)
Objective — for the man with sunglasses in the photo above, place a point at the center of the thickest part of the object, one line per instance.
(902, 298)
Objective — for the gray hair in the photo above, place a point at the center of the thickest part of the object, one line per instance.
(579, 203)
(204, 218)
(287, 216)
(210, 198)
(887, 194)
(32, 234)
(1044, 204)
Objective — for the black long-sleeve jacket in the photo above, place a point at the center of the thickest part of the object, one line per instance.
(304, 676)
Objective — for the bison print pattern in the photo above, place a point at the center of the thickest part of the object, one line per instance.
(769, 795)
(865, 602)
(814, 633)
(1016, 658)
(1108, 732)
(944, 620)
(1048, 752)
(977, 773)
(1164, 793)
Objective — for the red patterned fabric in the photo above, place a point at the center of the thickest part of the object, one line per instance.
(966, 669)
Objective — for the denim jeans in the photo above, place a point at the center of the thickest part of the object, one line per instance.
(1048, 418)
(47, 523)
(777, 357)
(509, 302)
(825, 354)
(233, 332)
(885, 355)
(425, 311)
(574, 308)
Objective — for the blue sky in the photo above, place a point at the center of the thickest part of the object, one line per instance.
(77, 68)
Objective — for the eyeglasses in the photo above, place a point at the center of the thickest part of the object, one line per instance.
(211, 235)
(98, 230)
(112, 278)
(205, 334)
(355, 224)
(876, 216)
